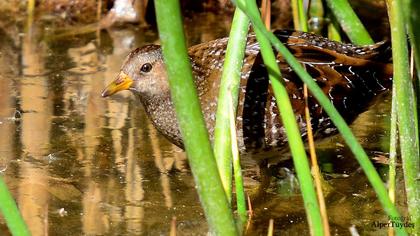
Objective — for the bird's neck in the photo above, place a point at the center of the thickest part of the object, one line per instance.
(162, 114)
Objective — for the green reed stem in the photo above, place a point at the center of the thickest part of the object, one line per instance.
(316, 13)
(297, 147)
(393, 152)
(239, 183)
(412, 11)
(229, 88)
(393, 145)
(299, 15)
(349, 22)
(406, 107)
(10, 212)
(249, 8)
(190, 119)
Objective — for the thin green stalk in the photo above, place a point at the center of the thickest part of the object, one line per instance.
(316, 11)
(406, 108)
(316, 172)
(349, 22)
(412, 11)
(190, 119)
(393, 147)
(239, 183)
(299, 16)
(295, 14)
(297, 148)
(293, 134)
(229, 87)
(10, 212)
(329, 108)
(392, 152)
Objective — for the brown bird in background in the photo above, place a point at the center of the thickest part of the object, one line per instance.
(351, 76)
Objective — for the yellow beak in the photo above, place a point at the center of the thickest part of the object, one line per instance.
(122, 82)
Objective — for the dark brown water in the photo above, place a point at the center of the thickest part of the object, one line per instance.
(78, 164)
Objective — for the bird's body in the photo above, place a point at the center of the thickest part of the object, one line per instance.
(351, 76)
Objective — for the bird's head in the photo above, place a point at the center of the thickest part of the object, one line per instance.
(143, 73)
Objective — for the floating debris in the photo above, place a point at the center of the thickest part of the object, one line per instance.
(62, 212)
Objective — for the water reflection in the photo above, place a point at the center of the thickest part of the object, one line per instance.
(79, 164)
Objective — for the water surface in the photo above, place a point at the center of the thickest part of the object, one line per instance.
(78, 164)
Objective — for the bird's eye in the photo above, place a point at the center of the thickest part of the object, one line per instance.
(146, 67)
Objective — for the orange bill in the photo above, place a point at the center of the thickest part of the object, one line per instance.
(122, 82)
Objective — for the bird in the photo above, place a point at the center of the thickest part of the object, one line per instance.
(351, 76)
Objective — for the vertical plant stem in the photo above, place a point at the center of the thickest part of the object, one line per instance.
(412, 15)
(30, 11)
(270, 230)
(349, 22)
(299, 15)
(266, 12)
(172, 232)
(412, 10)
(393, 147)
(295, 13)
(10, 212)
(294, 137)
(406, 107)
(239, 183)
(229, 87)
(190, 119)
(315, 168)
(250, 214)
(293, 134)
(392, 153)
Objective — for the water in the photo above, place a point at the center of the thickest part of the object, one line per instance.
(78, 164)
